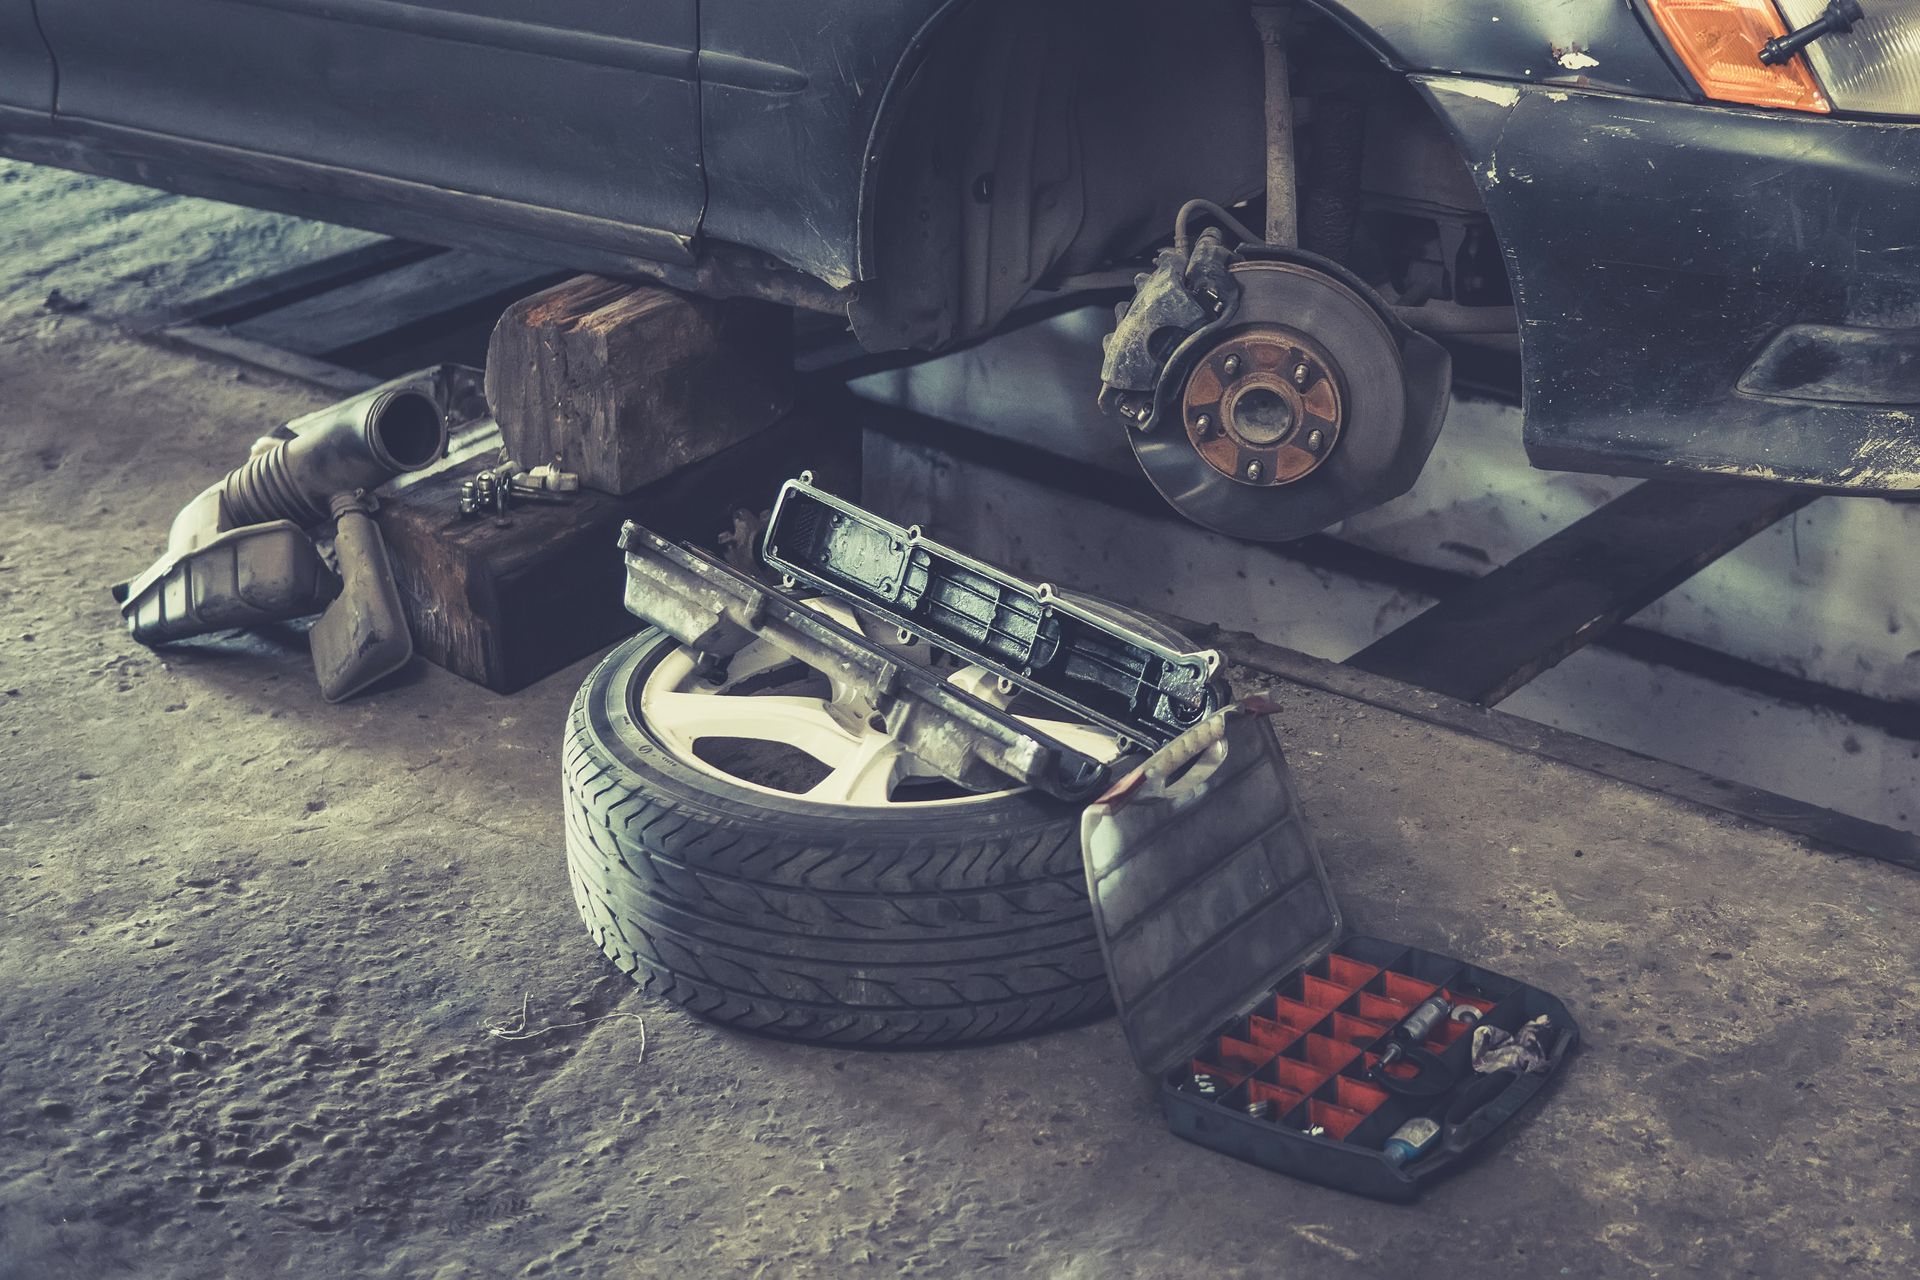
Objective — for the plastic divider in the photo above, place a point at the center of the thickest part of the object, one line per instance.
(1239, 1057)
(1342, 971)
(1353, 1095)
(1336, 1120)
(1379, 1009)
(1307, 1050)
(1320, 1052)
(1354, 1031)
(1291, 1073)
(1291, 1013)
(1402, 988)
(1282, 1100)
(1318, 993)
(1268, 1034)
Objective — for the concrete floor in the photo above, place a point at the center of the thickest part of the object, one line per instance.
(249, 944)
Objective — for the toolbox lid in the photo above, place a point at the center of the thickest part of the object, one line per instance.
(1206, 883)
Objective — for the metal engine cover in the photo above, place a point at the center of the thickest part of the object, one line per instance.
(1303, 403)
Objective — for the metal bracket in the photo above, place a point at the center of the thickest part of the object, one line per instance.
(1028, 633)
(717, 611)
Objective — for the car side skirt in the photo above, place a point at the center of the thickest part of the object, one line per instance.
(412, 210)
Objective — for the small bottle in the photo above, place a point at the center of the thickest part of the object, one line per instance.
(1410, 1140)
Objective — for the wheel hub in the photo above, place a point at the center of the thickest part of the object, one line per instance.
(1266, 407)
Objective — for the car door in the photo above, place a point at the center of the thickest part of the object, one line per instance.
(26, 68)
(584, 107)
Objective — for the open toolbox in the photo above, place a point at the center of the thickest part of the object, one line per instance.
(1276, 1038)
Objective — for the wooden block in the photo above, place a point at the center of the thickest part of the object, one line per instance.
(505, 601)
(625, 383)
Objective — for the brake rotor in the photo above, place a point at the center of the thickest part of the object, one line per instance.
(1302, 407)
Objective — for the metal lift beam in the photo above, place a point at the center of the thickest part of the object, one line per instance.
(1499, 632)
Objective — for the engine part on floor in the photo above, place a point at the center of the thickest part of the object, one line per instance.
(718, 613)
(1267, 391)
(362, 636)
(1030, 634)
(222, 580)
(242, 553)
(904, 915)
(233, 556)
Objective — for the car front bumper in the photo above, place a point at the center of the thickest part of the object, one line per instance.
(1705, 289)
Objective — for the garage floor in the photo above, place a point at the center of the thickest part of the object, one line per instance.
(249, 945)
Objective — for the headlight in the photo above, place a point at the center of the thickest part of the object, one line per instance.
(1873, 68)
(1720, 43)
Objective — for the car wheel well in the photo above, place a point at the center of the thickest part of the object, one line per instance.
(1030, 145)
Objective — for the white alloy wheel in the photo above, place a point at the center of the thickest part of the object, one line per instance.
(771, 705)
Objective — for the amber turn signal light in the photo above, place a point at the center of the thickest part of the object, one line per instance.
(1720, 43)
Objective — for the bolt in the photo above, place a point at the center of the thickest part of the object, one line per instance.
(1301, 373)
(1204, 424)
(1205, 1085)
(1260, 1110)
(1233, 366)
(1255, 471)
(1314, 441)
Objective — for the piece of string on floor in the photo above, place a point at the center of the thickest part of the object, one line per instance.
(505, 1029)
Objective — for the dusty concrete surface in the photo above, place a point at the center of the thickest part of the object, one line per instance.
(249, 944)
(75, 244)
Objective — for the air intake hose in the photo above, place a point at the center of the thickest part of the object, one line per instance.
(359, 444)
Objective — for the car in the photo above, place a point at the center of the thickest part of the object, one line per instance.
(1692, 224)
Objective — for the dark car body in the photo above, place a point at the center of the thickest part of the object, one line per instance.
(1697, 286)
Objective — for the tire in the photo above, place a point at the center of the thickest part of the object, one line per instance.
(943, 924)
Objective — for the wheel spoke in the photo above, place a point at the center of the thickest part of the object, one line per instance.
(797, 722)
(863, 764)
(756, 659)
(865, 777)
